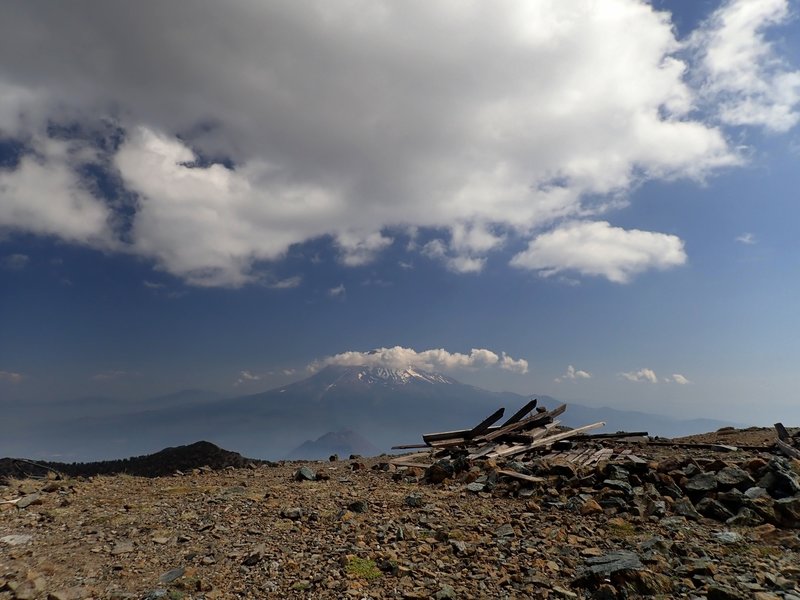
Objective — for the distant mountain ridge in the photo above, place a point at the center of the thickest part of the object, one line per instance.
(384, 406)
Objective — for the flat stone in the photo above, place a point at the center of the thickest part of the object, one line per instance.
(124, 547)
(703, 482)
(172, 575)
(475, 487)
(613, 562)
(15, 540)
(28, 500)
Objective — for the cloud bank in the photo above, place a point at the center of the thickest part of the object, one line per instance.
(438, 359)
(264, 125)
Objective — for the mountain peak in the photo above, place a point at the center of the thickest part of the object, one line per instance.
(384, 376)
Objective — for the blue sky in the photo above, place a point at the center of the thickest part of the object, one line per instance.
(600, 199)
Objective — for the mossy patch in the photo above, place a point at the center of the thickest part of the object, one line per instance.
(362, 568)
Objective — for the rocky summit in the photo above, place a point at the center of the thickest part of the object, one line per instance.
(666, 522)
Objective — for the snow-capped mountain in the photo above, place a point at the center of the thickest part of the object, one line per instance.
(387, 377)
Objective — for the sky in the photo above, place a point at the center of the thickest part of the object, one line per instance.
(592, 200)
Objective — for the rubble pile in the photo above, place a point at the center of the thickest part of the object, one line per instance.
(616, 474)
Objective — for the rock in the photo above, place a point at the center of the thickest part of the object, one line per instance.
(155, 594)
(591, 507)
(445, 592)
(703, 482)
(294, 513)
(475, 487)
(459, 547)
(15, 540)
(122, 547)
(439, 471)
(505, 530)
(414, 500)
(358, 506)
(684, 507)
(255, 556)
(333, 457)
(714, 509)
(613, 562)
(719, 592)
(171, 575)
(734, 477)
(305, 474)
(787, 512)
(618, 484)
(727, 537)
(28, 500)
(755, 492)
(655, 508)
(745, 516)
(772, 535)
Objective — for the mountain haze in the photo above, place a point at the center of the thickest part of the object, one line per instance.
(384, 406)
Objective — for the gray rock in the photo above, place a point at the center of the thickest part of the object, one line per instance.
(714, 509)
(15, 540)
(755, 492)
(734, 477)
(505, 530)
(684, 507)
(445, 592)
(294, 513)
(155, 594)
(305, 474)
(414, 500)
(618, 484)
(28, 500)
(703, 482)
(727, 537)
(611, 563)
(172, 575)
(787, 512)
(475, 487)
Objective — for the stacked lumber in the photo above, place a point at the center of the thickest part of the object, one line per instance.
(527, 430)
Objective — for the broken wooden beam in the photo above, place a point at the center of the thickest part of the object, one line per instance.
(522, 476)
(519, 449)
(484, 425)
(535, 420)
(788, 450)
(783, 435)
(517, 416)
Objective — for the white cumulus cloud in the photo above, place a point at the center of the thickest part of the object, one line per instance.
(352, 121)
(437, 359)
(246, 376)
(744, 74)
(677, 378)
(642, 375)
(572, 374)
(597, 248)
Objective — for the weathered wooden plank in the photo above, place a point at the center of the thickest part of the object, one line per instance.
(522, 476)
(484, 425)
(611, 436)
(408, 463)
(549, 440)
(408, 457)
(410, 446)
(783, 435)
(530, 422)
(517, 416)
(788, 450)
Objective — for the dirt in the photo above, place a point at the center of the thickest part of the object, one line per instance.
(367, 530)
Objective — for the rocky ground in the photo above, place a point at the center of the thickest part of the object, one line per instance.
(685, 524)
